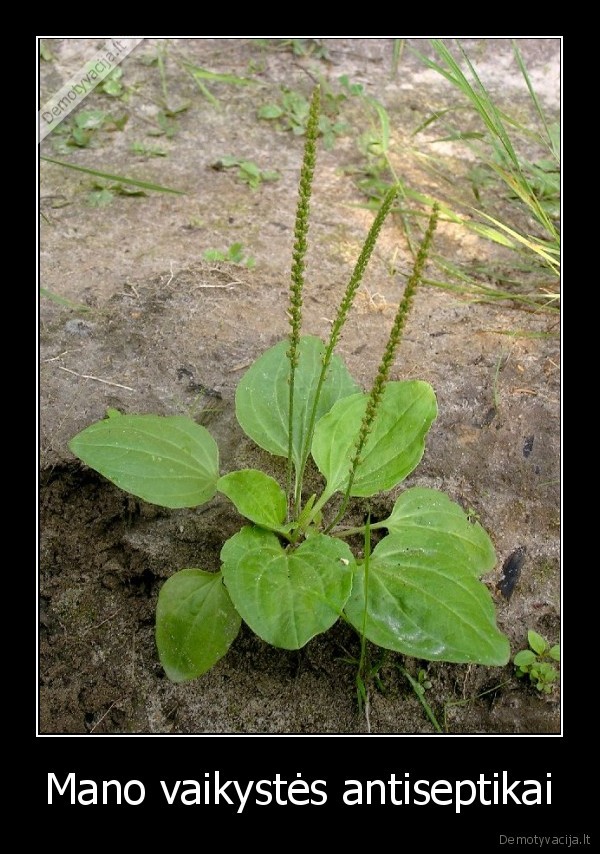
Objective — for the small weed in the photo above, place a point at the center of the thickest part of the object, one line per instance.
(367, 675)
(99, 196)
(103, 194)
(256, 66)
(423, 682)
(147, 150)
(167, 123)
(330, 130)
(113, 85)
(247, 171)
(298, 47)
(304, 47)
(348, 87)
(195, 222)
(291, 113)
(234, 255)
(83, 130)
(419, 686)
(200, 75)
(159, 59)
(45, 52)
(538, 663)
(472, 515)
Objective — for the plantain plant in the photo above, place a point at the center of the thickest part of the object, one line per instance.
(289, 572)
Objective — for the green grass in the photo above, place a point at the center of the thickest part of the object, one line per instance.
(290, 111)
(75, 306)
(509, 197)
(234, 255)
(521, 162)
(246, 171)
(109, 176)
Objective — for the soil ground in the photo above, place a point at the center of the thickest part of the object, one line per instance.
(147, 326)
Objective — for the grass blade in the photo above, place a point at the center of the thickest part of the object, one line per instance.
(76, 306)
(418, 689)
(534, 98)
(204, 74)
(146, 185)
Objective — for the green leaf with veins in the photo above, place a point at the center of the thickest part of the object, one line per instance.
(287, 596)
(425, 602)
(421, 510)
(262, 396)
(166, 460)
(256, 496)
(393, 448)
(195, 623)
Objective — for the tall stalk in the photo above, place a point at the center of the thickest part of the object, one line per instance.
(338, 323)
(361, 675)
(298, 264)
(387, 361)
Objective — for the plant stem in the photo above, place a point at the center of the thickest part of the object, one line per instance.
(385, 366)
(340, 320)
(298, 264)
(418, 689)
(495, 395)
(349, 532)
(361, 686)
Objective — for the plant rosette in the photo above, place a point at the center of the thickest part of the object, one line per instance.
(289, 572)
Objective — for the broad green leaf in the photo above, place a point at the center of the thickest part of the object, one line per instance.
(525, 658)
(166, 460)
(428, 517)
(395, 444)
(195, 623)
(423, 602)
(262, 396)
(537, 642)
(256, 496)
(555, 652)
(287, 596)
